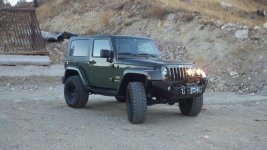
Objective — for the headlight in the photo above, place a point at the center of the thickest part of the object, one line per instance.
(164, 72)
(193, 72)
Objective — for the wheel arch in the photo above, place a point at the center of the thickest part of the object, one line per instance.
(131, 77)
(72, 71)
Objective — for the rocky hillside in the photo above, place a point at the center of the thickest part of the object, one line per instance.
(233, 54)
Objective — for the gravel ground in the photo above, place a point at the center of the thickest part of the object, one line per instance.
(33, 115)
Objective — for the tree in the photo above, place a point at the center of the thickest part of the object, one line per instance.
(4, 3)
(21, 2)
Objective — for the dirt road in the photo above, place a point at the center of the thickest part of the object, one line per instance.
(33, 115)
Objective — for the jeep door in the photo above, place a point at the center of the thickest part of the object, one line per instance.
(101, 71)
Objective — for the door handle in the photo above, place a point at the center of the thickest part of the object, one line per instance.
(92, 62)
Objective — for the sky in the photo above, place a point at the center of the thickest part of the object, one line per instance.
(13, 2)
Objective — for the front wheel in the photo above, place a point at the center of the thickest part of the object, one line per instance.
(192, 106)
(76, 95)
(136, 102)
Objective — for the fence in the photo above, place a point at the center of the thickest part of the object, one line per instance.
(20, 32)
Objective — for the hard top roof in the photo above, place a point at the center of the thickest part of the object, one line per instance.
(107, 35)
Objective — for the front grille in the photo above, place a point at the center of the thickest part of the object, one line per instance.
(177, 73)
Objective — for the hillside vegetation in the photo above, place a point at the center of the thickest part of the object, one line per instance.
(201, 31)
(241, 12)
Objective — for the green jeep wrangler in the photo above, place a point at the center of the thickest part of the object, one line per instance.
(130, 69)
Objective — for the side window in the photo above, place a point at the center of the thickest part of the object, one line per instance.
(100, 45)
(79, 48)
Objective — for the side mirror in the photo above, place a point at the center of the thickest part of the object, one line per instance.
(105, 53)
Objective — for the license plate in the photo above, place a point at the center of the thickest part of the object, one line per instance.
(195, 90)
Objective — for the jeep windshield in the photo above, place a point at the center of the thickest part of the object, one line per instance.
(135, 47)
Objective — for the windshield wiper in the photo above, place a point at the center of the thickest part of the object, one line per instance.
(127, 53)
(146, 54)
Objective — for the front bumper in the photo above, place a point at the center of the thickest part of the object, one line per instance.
(167, 90)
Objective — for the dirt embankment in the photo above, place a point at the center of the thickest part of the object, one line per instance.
(232, 64)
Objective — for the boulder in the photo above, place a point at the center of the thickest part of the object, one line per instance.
(241, 34)
(257, 28)
(265, 25)
(226, 5)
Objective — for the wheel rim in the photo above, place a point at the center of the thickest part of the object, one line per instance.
(72, 94)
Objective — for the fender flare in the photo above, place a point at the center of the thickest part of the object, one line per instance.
(79, 72)
(148, 74)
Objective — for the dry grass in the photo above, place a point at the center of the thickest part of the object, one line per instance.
(52, 8)
(49, 10)
(155, 10)
(105, 18)
(89, 32)
(241, 12)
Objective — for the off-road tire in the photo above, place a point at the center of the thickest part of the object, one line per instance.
(76, 95)
(136, 102)
(192, 106)
(120, 99)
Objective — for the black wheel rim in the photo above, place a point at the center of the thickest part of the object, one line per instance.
(72, 94)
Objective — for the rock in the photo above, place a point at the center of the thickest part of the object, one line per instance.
(245, 27)
(241, 34)
(240, 92)
(223, 27)
(206, 136)
(257, 28)
(226, 5)
(261, 12)
(265, 25)
(233, 74)
(218, 23)
(211, 80)
(229, 26)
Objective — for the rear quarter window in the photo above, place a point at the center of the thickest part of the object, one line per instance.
(79, 47)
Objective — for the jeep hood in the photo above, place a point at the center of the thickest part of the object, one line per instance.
(151, 62)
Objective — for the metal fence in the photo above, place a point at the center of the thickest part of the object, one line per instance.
(20, 32)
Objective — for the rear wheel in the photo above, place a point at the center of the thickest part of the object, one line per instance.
(192, 106)
(76, 95)
(136, 102)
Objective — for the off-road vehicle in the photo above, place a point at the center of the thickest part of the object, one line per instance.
(130, 69)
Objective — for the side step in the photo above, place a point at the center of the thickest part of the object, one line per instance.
(105, 92)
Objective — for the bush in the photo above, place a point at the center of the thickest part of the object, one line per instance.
(156, 11)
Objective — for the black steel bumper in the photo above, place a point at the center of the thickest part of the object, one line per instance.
(169, 90)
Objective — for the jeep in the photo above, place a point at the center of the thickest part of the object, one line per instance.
(130, 69)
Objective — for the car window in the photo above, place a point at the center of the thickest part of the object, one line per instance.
(100, 44)
(79, 48)
(144, 47)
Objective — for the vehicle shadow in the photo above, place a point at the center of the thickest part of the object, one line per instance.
(155, 114)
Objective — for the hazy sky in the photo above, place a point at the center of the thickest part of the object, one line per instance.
(13, 2)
